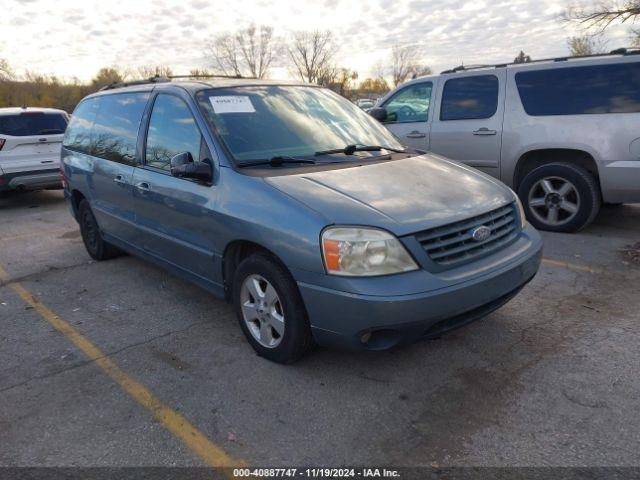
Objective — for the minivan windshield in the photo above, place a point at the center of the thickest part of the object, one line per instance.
(274, 121)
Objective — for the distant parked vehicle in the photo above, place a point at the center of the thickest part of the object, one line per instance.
(561, 132)
(365, 103)
(30, 142)
(296, 206)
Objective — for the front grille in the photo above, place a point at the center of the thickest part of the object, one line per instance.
(452, 244)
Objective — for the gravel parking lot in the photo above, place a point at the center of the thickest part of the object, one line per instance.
(549, 379)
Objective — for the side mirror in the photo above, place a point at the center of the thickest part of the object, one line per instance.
(183, 166)
(379, 113)
(181, 159)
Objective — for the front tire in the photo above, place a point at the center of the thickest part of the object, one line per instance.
(560, 197)
(270, 310)
(96, 247)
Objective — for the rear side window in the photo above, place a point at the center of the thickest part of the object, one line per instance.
(593, 89)
(469, 98)
(78, 135)
(25, 124)
(107, 126)
(114, 133)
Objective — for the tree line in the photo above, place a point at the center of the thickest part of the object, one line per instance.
(311, 56)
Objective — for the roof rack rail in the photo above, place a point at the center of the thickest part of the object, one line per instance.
(165, 79)
(617, 51)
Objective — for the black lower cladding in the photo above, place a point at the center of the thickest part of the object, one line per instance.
(446, 325)
(385, 338)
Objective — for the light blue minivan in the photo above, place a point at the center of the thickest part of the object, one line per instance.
(296, 206)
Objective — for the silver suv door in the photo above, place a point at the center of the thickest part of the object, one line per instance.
(467, 123)
(408, 115)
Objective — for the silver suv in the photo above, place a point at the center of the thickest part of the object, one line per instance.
(562, 132)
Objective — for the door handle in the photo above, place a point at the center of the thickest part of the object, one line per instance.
(143, 187)
(484, 131)
(120, 179)
(416, 134)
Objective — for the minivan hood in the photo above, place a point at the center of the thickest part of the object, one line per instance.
(402, 196)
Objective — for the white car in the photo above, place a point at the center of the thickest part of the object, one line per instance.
(30, 142)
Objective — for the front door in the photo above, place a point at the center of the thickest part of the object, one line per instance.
(408, 114)
(173, 214)
(468, 127)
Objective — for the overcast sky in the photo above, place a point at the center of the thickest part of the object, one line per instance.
(75, 38)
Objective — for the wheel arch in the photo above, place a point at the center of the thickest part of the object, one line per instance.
(76, 197)
(234, 253)
(533, 159)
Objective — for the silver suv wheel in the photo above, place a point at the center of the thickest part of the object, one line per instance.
(262, 311)
(554, 201)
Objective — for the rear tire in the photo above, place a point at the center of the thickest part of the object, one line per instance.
(96, 247)
(270, 309)
(560, 197)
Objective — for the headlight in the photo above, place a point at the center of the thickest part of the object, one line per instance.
(364, 252)
(523, 218)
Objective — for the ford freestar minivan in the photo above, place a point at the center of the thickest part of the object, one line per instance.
(298, 207)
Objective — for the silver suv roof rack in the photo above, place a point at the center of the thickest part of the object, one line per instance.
(618, 51)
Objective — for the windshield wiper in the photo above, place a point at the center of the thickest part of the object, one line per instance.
(276, 161)
(351, 149)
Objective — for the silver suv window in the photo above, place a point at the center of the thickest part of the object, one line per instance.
(410, 104)
(469, 98)
(581, 90)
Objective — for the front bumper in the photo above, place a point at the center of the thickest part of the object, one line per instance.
(340, 319)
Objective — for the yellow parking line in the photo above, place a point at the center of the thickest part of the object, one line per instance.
(210, 453)
(571, 266)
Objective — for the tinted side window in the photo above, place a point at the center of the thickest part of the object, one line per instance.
(115, 129)
(581, 90)
(411, 104)
(172, 130)
(33, 123)
(78, 134)
(469, 98)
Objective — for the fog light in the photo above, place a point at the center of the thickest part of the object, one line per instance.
(365, 338)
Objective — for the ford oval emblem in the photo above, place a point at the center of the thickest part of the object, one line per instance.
(481, 233)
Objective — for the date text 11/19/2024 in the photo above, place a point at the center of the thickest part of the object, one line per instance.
(316, 472)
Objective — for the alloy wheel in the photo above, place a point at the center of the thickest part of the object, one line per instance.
(262, 311)
(554, 201)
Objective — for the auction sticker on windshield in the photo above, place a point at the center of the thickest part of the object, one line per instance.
(232, 104)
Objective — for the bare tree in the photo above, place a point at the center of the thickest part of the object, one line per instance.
(312, 55)
(604, 13)
(5, 70)
(586, 45)
(225, 54)
(147, 71)
(406, 63)
(257, 47)
(250, 50)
